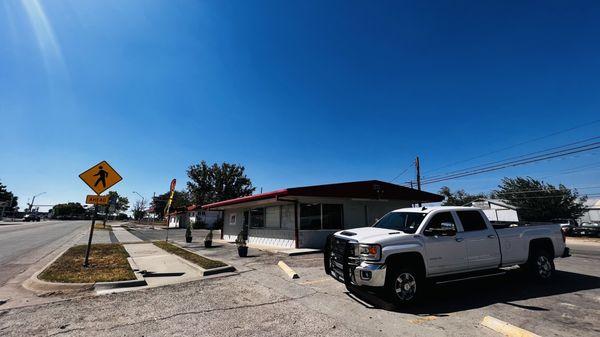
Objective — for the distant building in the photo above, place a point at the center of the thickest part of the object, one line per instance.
(497, 210)
(191, 214)
(592, 213)
(303, 217)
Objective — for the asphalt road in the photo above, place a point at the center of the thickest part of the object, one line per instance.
(262, 301)
(23, 244)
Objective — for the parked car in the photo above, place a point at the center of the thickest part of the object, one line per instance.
(31, 217)
(587, 229)
(408, 246)
(566, 225)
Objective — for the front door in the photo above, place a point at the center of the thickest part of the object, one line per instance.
(445, 254)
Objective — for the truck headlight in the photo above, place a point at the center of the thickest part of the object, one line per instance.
(369, 252)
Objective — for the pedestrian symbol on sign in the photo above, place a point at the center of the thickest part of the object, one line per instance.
(101, 177)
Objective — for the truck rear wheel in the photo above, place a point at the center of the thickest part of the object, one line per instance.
(541, 265)
(402, 285)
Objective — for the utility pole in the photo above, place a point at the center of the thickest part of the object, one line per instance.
(33, 200)
(418, 167)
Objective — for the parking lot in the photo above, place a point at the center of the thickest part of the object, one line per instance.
(261, 300)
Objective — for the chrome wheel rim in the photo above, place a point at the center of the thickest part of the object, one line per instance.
(406, 286)
(544, 267)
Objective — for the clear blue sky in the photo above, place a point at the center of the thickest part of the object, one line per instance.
(300, 92)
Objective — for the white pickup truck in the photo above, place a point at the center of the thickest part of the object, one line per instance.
(445, 243)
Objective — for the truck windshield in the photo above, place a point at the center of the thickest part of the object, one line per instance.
(407, 222)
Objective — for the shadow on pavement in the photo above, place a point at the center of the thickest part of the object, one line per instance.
(473, 294)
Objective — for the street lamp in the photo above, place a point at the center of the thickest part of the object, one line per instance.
(143, 202)
(33, 200)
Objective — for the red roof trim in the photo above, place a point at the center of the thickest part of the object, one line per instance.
(370, 189)
(267, 195)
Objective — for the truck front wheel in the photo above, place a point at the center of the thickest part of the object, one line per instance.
(402, 285)
(541, 265)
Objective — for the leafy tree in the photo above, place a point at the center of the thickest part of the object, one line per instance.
(139, 209)
(539, 201)
(7, 196)
(180, 199)
(70, 209)
(122, 202)
(459, 198)
(214, 183)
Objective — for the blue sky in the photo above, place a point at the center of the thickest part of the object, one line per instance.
(300, 92)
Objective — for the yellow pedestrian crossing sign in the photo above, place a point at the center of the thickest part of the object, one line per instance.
(100, 177)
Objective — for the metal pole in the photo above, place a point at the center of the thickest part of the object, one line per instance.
(87, 251)
(105, 216)
(31, 204)
(168, 220)
(418, 166)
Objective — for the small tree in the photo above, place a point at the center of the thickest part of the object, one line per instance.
(540, 201)
(180, 199)
(459, 198)
(139, 209)
(68, 210)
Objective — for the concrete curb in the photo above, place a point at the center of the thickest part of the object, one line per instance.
(40, 286)
(506, 328)
(206, 272)
(291, 273)
(34, 284)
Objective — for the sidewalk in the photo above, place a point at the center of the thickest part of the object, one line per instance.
(160, 267)
(123, 235)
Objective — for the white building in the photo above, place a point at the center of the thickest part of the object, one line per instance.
(305, 216)
(180, 219)
(497, 210)
(592, 213)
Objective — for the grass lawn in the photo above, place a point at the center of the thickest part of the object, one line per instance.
(98, 226)
(195, 258)
(108, 262)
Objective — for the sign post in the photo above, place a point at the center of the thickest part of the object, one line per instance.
(168, 206)
(99, 178)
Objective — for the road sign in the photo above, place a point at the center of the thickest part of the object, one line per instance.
(100, 177)
(96, 199)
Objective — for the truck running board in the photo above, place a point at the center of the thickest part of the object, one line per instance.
(499, 273)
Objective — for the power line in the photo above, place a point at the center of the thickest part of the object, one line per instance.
(520, 162)
(515, 145)
(515, 157)
(403, 172)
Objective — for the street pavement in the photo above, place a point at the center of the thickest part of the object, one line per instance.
(25, 248)
(263, 301)
(23, 244)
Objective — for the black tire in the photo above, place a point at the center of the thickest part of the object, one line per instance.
(540, 265)
(403, 285)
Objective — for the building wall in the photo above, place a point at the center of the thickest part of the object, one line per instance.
(356, 213)
(592, 215)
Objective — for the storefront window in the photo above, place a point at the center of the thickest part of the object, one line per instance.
(333, 217)
(287, 216)
(310, 216)
(257, 218)
(272, 217)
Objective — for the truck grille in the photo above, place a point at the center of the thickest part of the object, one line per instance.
(342, 260)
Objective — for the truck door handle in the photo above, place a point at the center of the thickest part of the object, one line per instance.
(459, 239)
(491, 236)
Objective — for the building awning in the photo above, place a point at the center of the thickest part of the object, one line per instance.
(370, 189)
